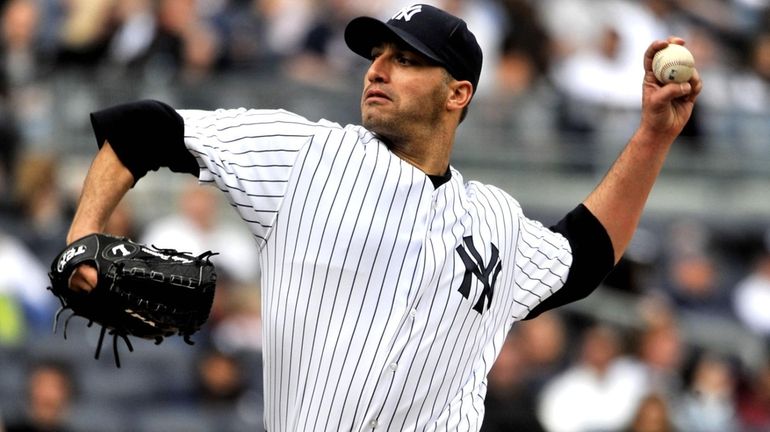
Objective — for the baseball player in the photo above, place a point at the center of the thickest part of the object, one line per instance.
(389, 282)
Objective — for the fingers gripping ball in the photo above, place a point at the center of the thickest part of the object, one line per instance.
(674, 64)
(141, 291)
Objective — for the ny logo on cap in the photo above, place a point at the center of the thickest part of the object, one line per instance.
(407, 13)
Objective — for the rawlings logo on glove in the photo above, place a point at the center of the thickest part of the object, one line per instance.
(145, 292)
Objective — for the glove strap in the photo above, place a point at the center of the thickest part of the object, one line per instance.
(80, 251)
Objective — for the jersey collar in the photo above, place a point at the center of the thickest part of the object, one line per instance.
(439, 180)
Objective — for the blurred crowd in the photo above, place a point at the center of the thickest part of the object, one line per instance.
(683, 349)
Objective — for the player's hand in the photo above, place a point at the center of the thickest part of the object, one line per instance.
(667, 108)
(83, 279)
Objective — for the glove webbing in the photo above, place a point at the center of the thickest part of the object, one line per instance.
(114, 332)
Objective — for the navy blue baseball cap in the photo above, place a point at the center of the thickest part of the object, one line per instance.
(432, 32)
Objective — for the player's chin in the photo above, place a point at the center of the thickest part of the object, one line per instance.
(373, 114)
(371, 107)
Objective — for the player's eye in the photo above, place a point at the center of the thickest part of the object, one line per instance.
(403, 59)
(376, 52)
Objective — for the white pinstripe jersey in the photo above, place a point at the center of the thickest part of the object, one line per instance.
(385, 300)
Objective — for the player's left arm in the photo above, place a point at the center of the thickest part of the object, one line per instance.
(618, 200)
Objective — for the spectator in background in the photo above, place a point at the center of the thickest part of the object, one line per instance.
(49, 395)
(691, 277)
(25, 305)
(754, 402)
(225, 392)
(135, 26)
(22, 60)
(321, 54)
(221, 382)
(200, 54)
(43, 210)
(9, 137)
(653, 415)
(237, 326)
(694, 285)
(543, 343)
(601, 392)
(25, 101)
(487, 18)
(599, 65)
(287, 22)
(85, 32)
(510, 403)
(243, 25)
(197, 227)
(659, 347)
(708, 405)
(521, 101)
(174, 19)
(751, 297)
(751, 113)
(595, 66)
(526, 47)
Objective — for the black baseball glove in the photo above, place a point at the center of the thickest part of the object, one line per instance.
(141, 291)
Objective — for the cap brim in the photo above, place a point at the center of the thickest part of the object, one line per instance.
(364, 33)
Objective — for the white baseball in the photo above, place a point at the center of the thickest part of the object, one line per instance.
(674, 63)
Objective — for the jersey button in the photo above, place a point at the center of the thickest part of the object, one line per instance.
(393, 366)
(373, 424)
(413, 313)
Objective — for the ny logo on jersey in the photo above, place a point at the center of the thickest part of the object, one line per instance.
(407, 13)
(475, 266)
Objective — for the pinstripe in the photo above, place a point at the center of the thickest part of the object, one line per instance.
(422, 336)
(307, 249)
(454, 276)
(334, 299)
(366, 286)
(337, 291)
(319, 308)
(315, 268)
(410, 325)
(278, 383)
(447, 293)
(369, 329)
(453, 318)
(362, 273)
(390, 310)
(285, 364)
(471, 349)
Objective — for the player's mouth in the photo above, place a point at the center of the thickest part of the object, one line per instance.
(375, 95)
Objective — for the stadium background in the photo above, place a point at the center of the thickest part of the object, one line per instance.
(681, 325)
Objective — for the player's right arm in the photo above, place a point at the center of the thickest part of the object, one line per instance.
(106, 183)
(134, 139)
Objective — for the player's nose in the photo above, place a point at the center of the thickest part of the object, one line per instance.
(377, 71)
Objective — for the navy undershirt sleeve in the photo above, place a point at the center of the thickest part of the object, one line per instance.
(145, 135)
(593, 258)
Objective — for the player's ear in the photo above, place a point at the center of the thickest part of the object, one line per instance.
(460, 94)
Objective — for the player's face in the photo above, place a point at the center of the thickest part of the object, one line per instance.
(403, 90)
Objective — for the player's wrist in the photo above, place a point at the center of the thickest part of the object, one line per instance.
(78, 232)
(653, 139)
